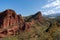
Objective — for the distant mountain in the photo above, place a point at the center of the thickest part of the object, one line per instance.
(52, 15)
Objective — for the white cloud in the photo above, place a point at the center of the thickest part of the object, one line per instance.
(57, 7)
(49, 12)
(50, 0)
(52, 4)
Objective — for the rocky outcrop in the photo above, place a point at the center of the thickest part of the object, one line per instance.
(10, 22)
(37, 17)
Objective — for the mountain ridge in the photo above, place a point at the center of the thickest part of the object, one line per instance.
(52, 15)
(11, 22)
(33, 27)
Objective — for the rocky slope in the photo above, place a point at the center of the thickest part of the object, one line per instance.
(10, 22)
(34, 27)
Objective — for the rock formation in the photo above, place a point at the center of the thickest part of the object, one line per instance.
(10, 22)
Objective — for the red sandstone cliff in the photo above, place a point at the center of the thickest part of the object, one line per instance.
(10, 22)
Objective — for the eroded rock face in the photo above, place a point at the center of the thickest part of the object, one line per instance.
(39, 16)
(10, 23)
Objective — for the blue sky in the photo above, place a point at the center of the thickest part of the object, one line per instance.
(29, 7)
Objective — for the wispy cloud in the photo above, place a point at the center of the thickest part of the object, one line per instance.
(52, 4)
(50, 0)
(49, 12)
(55, 5)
